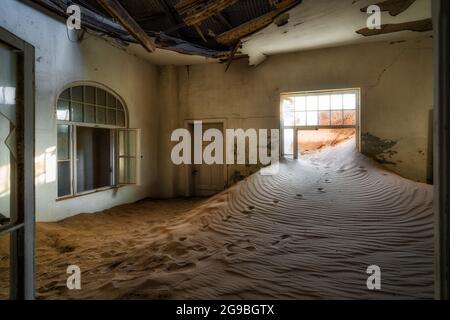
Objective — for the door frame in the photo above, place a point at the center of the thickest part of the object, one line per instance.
(189, 181)
(22, 230)
(441, 146)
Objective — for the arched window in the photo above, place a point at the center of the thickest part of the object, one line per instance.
(96, 150)
(92, 105)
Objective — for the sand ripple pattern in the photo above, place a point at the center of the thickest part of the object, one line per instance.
(309, 232)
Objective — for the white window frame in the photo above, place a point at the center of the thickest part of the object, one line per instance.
(114, 131)
(135, 156)
(297, 128)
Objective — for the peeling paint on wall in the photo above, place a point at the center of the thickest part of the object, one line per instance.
(249, 98)
(242, 171)
(415, 26)
(378, 149)
(394, 7)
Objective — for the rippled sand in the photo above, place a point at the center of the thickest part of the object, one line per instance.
(309, 232)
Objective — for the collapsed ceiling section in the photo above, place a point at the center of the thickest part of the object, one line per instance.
(231, 29)
(209, 28)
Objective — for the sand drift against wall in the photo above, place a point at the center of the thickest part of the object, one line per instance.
(309, 232)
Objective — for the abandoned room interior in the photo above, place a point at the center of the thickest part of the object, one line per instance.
(132, 135)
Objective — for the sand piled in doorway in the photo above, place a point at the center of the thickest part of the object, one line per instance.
(309, 232)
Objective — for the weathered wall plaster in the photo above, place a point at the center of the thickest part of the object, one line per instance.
(396, 96)
(59, 62)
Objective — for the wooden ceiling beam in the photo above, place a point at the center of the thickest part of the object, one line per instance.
(167, 9)
(194, 12)
(223, 20)
(232, 36)
(152, 16)
(115, 9)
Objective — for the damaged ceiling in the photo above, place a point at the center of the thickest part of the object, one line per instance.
(318, 24)
(195, 31)
(199, 27)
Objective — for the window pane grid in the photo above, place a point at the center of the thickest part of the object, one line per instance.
(92, 105)
(327, 109)
(315, 110)
(88, 104)
(64, 154)
(127, 156)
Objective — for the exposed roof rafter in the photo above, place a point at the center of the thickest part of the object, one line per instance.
(118, 12)
(193, 26)
(195, 12)
(232, 36)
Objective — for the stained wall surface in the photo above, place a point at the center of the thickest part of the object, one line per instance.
(60, 61)
(395, 79)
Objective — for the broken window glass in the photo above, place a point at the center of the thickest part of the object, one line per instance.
(8, 121)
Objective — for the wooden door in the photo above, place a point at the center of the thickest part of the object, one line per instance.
(208, 179)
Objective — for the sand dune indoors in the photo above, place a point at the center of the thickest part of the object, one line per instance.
(309, 232)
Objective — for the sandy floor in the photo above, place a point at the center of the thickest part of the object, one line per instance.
(309, 232)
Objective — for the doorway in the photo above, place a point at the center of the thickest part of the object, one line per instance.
(206, 180)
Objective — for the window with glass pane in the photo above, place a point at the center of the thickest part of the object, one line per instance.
(317, 110)
(64, 179)
(90, 95)
(77, 94)
(101, 97)
(89, 113)
(63, 110)
(94, 148)
(101, 115)
(127, 156)
(334, 108)
(8, 134)
(312, 103)
(288, 112)
(88, 104)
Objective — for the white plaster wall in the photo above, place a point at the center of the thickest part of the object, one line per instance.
(59, 62)
(168, 121)
(395, 81)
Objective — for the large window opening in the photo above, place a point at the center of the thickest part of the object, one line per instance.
(96, 150)
(94, 159)
(313, 120)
